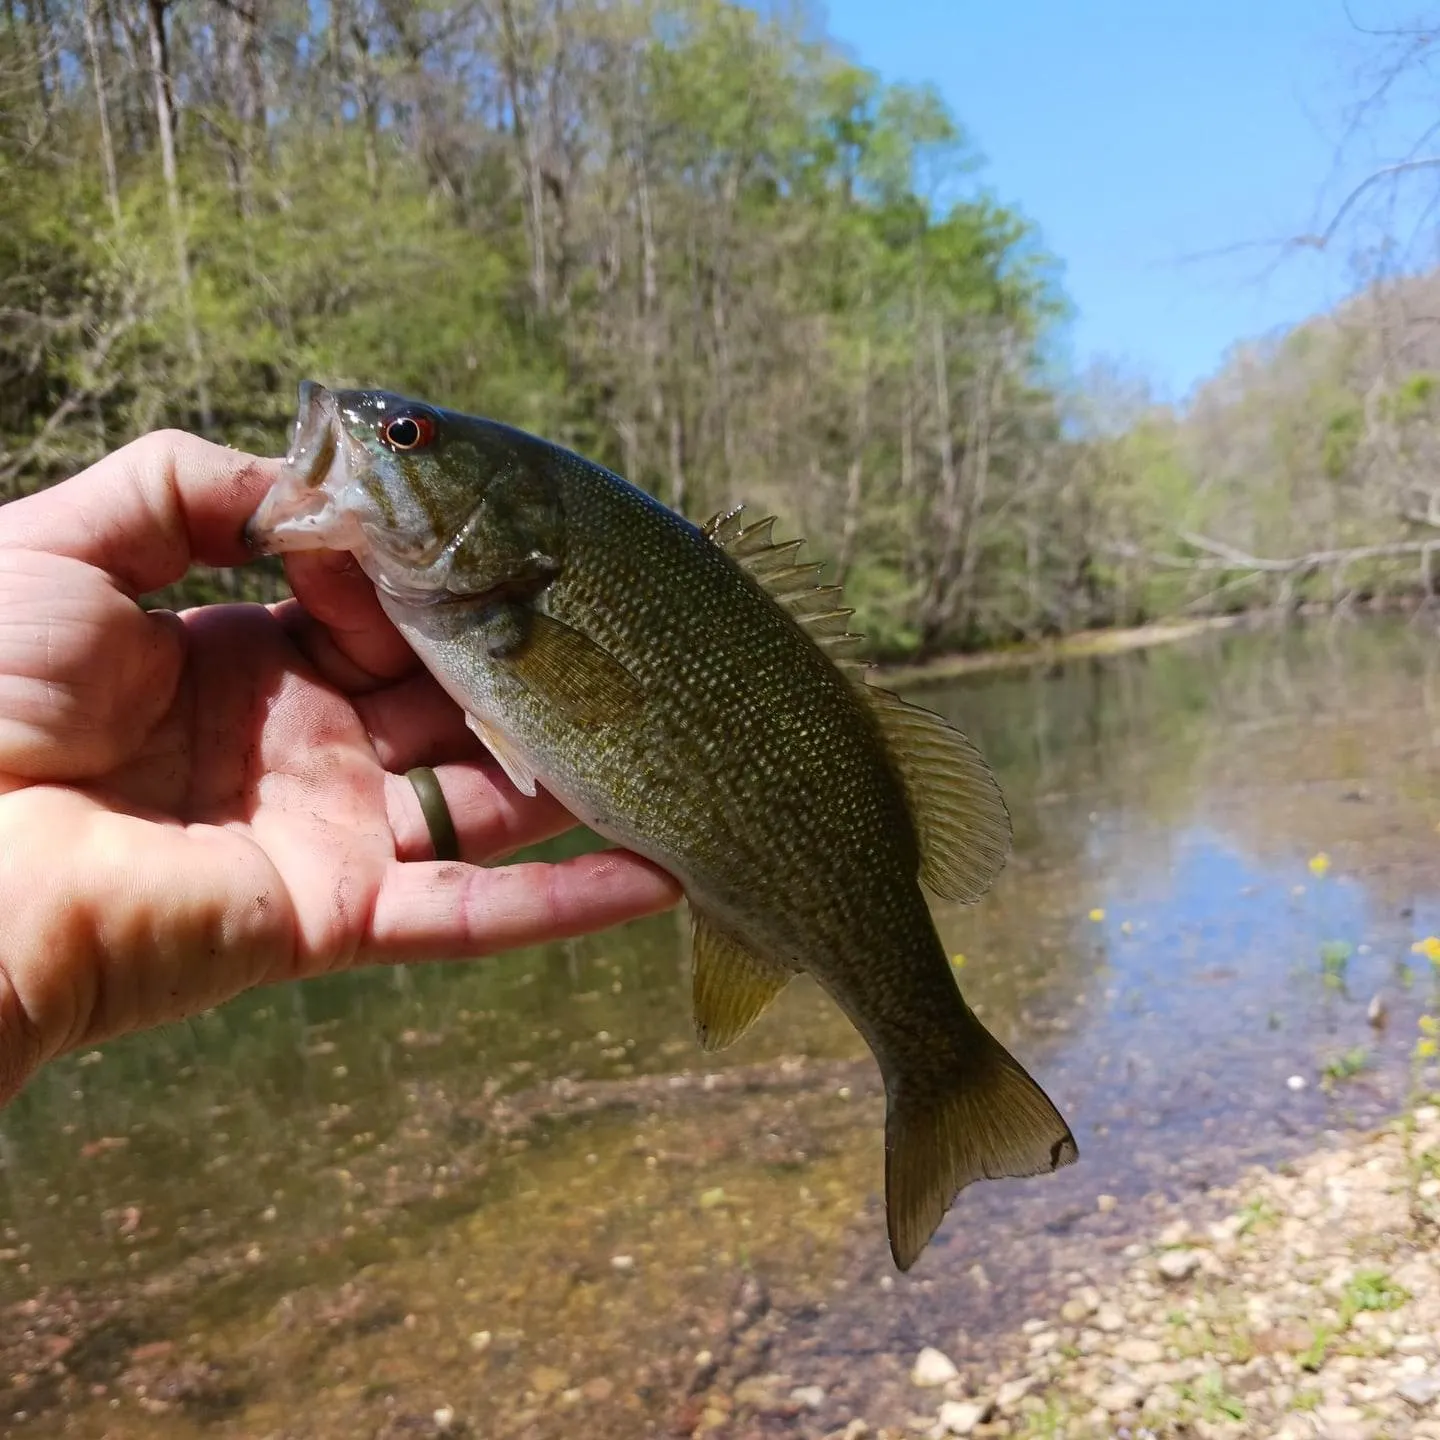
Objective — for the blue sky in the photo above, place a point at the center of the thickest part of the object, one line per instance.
(1143, 138)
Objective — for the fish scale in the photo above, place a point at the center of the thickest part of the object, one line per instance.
(685, 692)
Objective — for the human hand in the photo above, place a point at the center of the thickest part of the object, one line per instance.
(193, 805)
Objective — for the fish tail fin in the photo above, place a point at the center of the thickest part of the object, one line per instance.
(982, 1118)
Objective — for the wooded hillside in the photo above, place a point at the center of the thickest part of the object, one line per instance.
(692, 242)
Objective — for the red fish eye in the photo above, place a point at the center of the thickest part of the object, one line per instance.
(408, 432)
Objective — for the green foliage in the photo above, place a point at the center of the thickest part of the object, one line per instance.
(1257, 1215)
(1312, 1358)
(1412, 398)
(1345, 1066)
(1334, 961)
(1342, 435)
(1211, 1399)
(689, 239)
(1370, 1290)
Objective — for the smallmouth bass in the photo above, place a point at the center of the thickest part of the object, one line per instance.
(687, 692)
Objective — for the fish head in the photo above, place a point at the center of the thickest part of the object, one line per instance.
(433, 504)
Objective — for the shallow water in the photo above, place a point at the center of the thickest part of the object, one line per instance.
(514, 1198)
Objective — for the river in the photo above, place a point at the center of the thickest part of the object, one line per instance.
(513, 1198)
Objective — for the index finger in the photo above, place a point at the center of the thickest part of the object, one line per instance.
(149, 511)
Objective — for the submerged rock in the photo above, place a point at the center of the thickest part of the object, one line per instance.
(933, 1367)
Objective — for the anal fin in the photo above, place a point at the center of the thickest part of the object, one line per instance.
(732, 986)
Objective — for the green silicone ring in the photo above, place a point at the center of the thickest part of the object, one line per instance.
(436, 812)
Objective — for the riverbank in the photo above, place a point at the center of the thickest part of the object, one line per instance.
(1309, 1308)
(1050, 652)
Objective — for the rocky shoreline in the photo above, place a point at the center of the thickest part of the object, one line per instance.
(1311, 1309)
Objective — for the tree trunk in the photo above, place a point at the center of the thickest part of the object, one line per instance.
(948, 517)
(527, 158)
(102, 106)
(961, 602)
(165, 120)
(854, 479)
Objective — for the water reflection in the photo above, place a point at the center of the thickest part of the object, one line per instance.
(515, 1190)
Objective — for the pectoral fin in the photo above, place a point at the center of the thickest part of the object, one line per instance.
(960, 815)
(732, 985)
(570, 671)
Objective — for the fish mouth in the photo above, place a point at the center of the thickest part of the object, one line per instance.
(301, 510)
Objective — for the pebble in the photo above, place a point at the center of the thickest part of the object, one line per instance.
(933, 1367)
(960, 1417)
(1140, 1352)
(1342, 1422)
(622, 1263)
(1178, 1264)
(811, 1397)
(1012, 1392)
(444, 1418)
(757, 1392)
(1115, 1398)
(1267, 1349)
(1421, 1392)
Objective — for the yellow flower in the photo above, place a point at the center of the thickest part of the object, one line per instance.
(957, 961)
(1097, 914)
(1319, 864)
(1429, 1025)
(1426, 1049)
(1429, 947)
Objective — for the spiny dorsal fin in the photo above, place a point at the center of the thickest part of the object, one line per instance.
(732, 986)
(817, 609)
(960, 814)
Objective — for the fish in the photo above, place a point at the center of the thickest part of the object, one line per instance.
(693, 693)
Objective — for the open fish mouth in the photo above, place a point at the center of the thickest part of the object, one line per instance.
(303, 509)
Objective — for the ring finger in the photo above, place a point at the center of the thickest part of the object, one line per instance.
(491, 818)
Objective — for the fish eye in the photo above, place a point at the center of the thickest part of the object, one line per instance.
(408, 432)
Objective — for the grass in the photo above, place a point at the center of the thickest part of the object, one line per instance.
(1053, 1420)
(1370, 1290)
(1365, 1290)
(1344, 1066)
(1313, 1356)
(1334, 959)
(1211, 1399)
(1257, 1215)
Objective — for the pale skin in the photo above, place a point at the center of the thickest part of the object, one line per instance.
(194, 805)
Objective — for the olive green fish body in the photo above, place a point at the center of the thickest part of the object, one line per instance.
(678, 689)
(768, 727)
